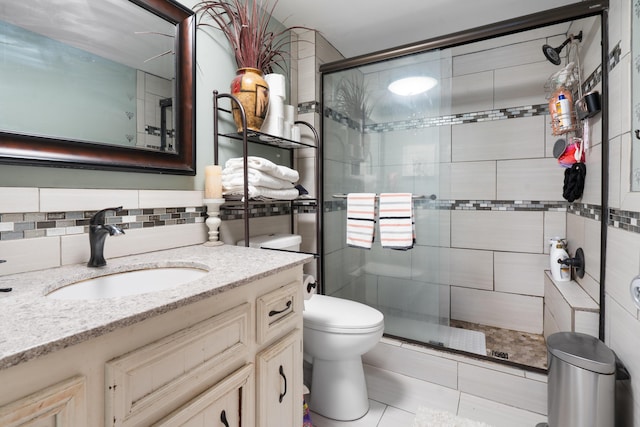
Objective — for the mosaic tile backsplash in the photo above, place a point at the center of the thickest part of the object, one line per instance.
(45, 224)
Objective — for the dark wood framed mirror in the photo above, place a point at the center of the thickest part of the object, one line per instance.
(24, 146)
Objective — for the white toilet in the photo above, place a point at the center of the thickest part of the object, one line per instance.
(337, 332)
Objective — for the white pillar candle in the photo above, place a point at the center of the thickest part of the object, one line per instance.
(213, 182)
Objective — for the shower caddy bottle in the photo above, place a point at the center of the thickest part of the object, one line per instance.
(558, 251)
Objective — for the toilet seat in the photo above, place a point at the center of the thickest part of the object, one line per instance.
(337, 315)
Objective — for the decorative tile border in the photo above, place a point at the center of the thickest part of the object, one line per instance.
(624, 220)
(40, 224)
(235, 211)
(471, 205)
(308, 107)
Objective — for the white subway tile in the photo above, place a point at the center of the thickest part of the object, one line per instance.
(471, 269)
(75, 199)
(24, 255)
(169, 198)
(510, 311)
(587, 322)
(414, 364)
(623, 264)
(75, 248)
(19, 199)
(503, 388)
(529, 179)
(473, 181)
(522, 84)
(520, 138)
(555, 225)
(472, 92)
(406, 393)
(557, 306)
(520, 273)
(497, 230)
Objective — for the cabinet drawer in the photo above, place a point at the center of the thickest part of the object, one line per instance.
(228, 403)
(279, 311)
(148, 383)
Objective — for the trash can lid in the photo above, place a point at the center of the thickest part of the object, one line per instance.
(583, 351)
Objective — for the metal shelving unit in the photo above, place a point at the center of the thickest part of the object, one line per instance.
(247, 137)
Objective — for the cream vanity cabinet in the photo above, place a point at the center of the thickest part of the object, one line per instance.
(233, 359)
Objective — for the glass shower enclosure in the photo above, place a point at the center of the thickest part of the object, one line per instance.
(475, 148)
(381, 141)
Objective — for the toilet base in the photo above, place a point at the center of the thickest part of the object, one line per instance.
(338, 389)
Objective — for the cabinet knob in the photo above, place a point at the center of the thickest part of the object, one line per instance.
(285, 384)
(223, 418)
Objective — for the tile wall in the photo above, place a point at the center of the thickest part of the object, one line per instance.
(46, 227)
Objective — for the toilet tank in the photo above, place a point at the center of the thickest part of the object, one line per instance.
(289, 242)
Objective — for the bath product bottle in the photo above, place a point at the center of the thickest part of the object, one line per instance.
(564, 112)
(560, 272)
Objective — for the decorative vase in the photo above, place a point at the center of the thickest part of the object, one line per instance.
(252, 91)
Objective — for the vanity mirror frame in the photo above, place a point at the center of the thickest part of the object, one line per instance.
(31, 150)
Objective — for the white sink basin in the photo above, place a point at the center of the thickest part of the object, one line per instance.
(128, 283)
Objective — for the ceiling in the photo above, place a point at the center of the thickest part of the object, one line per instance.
(357, 27)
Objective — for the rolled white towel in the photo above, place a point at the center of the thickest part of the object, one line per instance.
(266, 166)
(235, 178)
(264, 193)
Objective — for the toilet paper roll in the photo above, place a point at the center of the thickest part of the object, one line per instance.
(309, 285)
(276, 84)
(274, 121)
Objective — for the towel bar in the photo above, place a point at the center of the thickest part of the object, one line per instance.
(431, 197)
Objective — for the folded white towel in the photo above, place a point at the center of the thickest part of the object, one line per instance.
(360, 219)
(235, 178)
(266, 166)
(261, 193)
(396, 221)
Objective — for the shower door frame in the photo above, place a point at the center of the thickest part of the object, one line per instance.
(558, 15)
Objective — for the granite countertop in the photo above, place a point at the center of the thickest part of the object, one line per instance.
(34, 325)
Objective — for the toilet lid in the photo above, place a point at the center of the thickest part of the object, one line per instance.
(325, 313)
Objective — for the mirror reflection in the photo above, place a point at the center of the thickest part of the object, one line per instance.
(97, 72)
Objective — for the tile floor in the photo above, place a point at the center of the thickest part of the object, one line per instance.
(392, 409)
(382, 415)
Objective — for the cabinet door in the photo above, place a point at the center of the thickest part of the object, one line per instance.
(279, 377)
(61, 405)
(227, 404)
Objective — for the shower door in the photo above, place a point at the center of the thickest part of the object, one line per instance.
(377, 141)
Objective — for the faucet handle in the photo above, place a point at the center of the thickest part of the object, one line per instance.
(98, 217)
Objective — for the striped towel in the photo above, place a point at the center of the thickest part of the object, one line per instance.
(360, 219)
(397, 229)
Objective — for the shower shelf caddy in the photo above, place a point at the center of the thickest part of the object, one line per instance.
(260, 138)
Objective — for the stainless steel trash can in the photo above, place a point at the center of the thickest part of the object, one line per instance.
(581, 381)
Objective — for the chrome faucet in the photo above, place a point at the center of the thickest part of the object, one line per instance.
(98, 232)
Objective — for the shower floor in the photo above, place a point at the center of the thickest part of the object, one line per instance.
(506, 344)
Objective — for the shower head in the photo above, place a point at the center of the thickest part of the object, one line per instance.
(553, 53)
